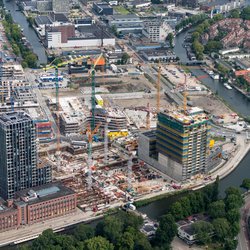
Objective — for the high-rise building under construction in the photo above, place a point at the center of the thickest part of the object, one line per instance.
(182, 142)
(19, 167)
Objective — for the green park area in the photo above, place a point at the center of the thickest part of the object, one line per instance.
(121, 10)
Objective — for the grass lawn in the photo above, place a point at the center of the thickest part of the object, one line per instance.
(121, 10)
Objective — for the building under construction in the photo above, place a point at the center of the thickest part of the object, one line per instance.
(180, 144)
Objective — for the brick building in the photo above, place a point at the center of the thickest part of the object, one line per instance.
(36, 205)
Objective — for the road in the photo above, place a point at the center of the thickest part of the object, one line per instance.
(165, 85)
(243, 239)
(32, 77)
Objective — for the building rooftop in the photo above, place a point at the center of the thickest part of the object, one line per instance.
(92, 31)
(193, 116)
(43, 193)
(14, 117)
(58, 17)
(124, 16)
(42, 20)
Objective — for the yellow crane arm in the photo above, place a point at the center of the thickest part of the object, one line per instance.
(51, 66)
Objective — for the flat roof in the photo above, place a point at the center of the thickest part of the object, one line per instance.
(42, 20)
(14, 117)
(92, 31)
(192, 116)
(59, 17)
(44, 193)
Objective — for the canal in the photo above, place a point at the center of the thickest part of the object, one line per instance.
(235, 99)
(239, 103)
(28, 31)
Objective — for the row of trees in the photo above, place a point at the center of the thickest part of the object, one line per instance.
(190, 21)
(119, 231)
(14, 35)
(243, 83)
(225, 216)
(244, 14)
(212, 46)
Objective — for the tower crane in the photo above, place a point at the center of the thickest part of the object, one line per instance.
(92, 74)
(158, 98)
(182, 87)
(148, 117)
(90, 133)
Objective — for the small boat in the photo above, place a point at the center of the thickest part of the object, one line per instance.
(227, 86)
(215, 76)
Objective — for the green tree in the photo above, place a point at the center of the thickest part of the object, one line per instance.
(196, 202)
(31, 60)
(166, 231)
(204, 231)
(98, 243)
(245, 13)
(126, 242)
(230, 244)
(234, 13)
(186, 207)
(233, 215)
(195, 35)
(246, 184)
(212, 46)
(83, 232)
(221, 229)
(140, 240)
(217, 209)
(198, 49)
(234, 229)
(215, 189)
(177, 211)
(125, 58)
(111, 228)
(170, 39)
(233, 201)
(15, 49)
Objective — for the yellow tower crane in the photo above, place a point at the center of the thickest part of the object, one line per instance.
(92, 75)
(158, 97)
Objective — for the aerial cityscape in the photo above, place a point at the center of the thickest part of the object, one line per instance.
(124, 125)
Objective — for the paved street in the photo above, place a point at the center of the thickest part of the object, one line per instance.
(243, 239)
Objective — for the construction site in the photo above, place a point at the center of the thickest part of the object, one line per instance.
(88, 123)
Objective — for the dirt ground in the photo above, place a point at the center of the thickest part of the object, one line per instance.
(128, 103)
(213, 105)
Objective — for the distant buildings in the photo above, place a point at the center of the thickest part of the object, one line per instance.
(11, 76)
(45, 6)
(102, 9)
(126, 23)
(18, 155)
(59, 6)
(65, 36)
(236, 29)
(179, 146)
(156, 30)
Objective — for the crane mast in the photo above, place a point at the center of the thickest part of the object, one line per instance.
(158, 97)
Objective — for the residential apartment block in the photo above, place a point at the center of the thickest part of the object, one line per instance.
(18, 155)
(156, 30)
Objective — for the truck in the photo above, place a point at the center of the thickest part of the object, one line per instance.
(114, 68)
(99, 100)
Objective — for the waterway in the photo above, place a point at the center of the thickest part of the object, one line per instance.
(235, 99)
(239, 103)
(28, 31)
